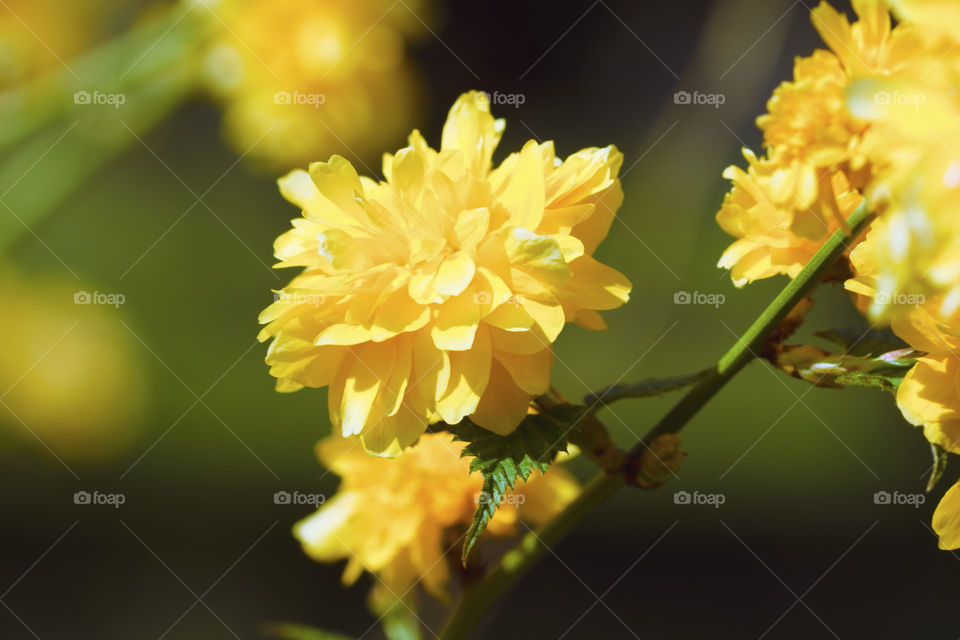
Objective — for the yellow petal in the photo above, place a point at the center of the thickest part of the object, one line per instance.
(372, 364)
(549, 316)
(455, 274)
(339, 183)
(503, 405)
(594, 285)
(321, 534)
(456, 322)
(397, 314)
(928, 393)
(343, 334)
(946, 519)
(523, 191)
(471, 227)
(537, 255)
(391, 436)
(469, 376)
(530, 372)
(472, 130)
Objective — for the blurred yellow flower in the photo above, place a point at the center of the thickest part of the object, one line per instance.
(915, 252)
(929, 397)
(436, 294)
(399, 519)
(69, 375)
(938, 16)
(788, 203)
(300, 80)
(37, 35)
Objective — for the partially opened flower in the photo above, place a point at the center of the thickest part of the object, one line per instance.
(399, 519)
(436, 295)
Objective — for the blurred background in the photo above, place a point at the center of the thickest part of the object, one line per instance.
(137, 179)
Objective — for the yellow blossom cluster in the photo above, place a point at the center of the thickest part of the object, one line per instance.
(814, 171)
(436, 294)
(400, 519)
(874, 119)
(300, 80)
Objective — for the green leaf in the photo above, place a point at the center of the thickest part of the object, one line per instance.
(642, 389)
(857, 341)
(290, 631)
(888, 380)
(502, 460)
(870, 358)
(939, 465)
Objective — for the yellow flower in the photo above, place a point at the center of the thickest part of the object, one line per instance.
(300, 80)
(399, 519)
(939, 16)
(788, 203)
(780, 215)
(69, 375)
(929, 397)
(916, 250)
(436, 294)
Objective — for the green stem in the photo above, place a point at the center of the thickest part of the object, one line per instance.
(477, 601)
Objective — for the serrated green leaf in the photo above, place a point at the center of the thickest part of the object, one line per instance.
(642, 389)
(290, 631)
(502, 460)
(939, 465)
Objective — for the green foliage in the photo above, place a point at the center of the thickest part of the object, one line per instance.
(857, 341)
(502, 460)
(870, 358)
